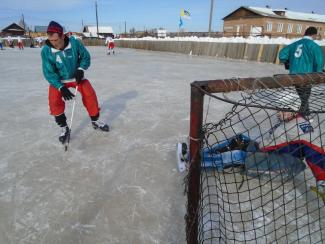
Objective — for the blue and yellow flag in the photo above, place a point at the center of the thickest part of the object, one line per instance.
(185, 14)
(180, 25)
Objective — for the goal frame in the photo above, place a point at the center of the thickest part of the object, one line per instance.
(198, 90)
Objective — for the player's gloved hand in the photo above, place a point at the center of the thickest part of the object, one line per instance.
(287, 65)
(79, 75)
(66, 93)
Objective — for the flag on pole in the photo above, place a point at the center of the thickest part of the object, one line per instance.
(180, 25)
(185, 14)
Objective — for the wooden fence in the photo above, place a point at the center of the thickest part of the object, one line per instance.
(254, 52)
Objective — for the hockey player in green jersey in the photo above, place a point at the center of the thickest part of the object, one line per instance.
(64, 61)
(300, 57)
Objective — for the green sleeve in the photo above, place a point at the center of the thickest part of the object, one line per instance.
(49, 70)
(84, 56)
(318, 59)
(284, 54)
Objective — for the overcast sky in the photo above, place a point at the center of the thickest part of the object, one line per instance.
(141, 14)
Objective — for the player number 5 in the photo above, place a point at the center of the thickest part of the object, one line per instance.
(298, 51)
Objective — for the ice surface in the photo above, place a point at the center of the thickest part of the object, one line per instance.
(118, 187)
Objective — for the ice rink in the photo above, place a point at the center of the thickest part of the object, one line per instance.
(117, 187)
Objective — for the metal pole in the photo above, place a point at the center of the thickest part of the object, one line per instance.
(96, 18)
(125, 28)
(277, 81)
(211, 13)
(193, 192)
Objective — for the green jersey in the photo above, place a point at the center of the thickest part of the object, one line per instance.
(304, 56)
(61, 65)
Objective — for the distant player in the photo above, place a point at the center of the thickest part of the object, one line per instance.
(20, 43)
(1, 43)
(39, 41)
(110, 45)
(10, 42)
(31, 40)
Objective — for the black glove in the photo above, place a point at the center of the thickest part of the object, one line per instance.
(79, 75)
(66, 93)
(287, 65)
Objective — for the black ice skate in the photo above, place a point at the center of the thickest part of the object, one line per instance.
(97, 125)
(64, 136)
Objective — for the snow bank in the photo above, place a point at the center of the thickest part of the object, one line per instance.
(251, 40)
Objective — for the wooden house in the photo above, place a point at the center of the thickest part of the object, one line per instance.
(256, 21)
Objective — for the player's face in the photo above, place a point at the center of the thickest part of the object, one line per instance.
(56, 40)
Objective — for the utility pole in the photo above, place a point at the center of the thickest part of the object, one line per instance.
(211, 13)
(125, 28)
(22, 17)
(96, 18)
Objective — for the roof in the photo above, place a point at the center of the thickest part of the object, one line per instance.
(90, 34)
(13, 27)
(287, 14)
(101, 29)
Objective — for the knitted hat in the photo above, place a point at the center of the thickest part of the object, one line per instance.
(54, 27)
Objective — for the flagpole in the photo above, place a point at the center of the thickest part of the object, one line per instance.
(178, 34)
(179, 28)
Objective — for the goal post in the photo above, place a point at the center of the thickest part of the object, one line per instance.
(198, 91)
(193, 192)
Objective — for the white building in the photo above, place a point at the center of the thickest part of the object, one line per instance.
(161, 33)
(103, 31)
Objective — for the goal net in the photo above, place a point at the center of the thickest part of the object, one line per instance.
(257, 160)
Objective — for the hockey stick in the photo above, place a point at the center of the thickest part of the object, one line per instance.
(66, 144)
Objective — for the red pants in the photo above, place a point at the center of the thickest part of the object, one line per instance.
(88, 94)
(20, 45)
(111, 45)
